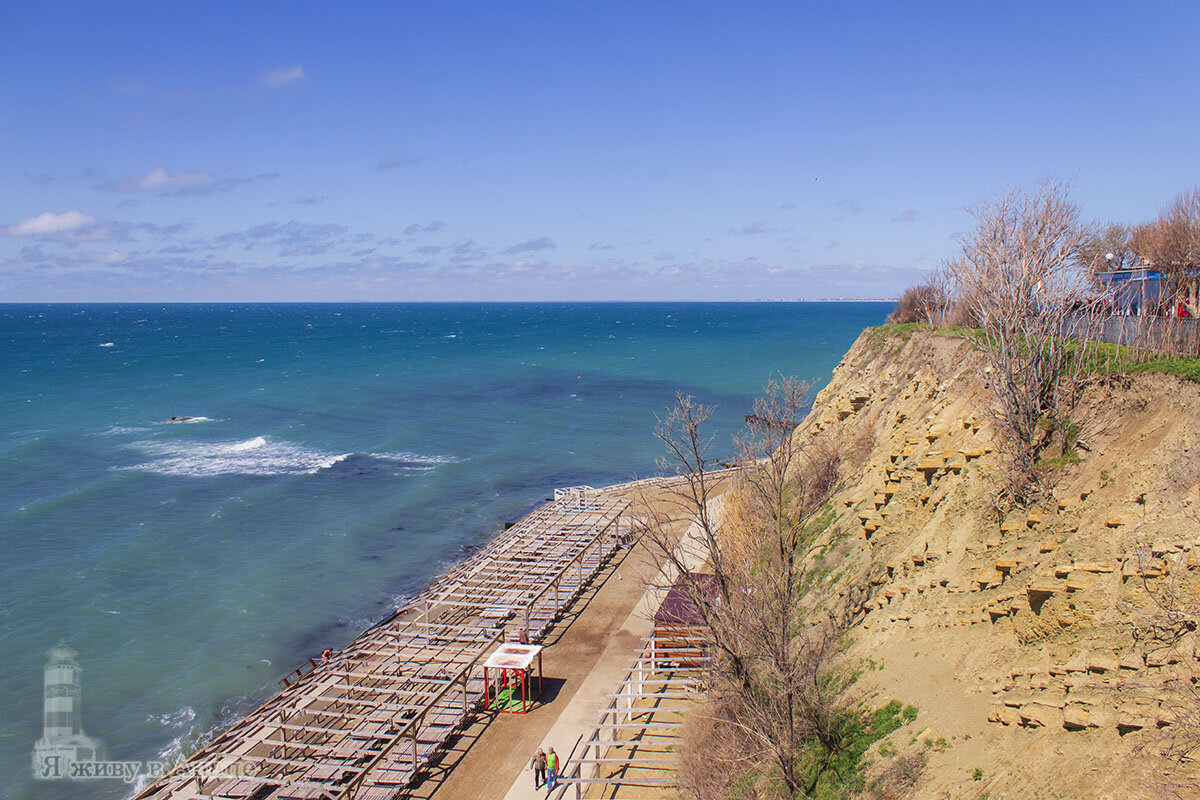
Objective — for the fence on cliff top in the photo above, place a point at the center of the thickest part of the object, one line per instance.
(1171, 336)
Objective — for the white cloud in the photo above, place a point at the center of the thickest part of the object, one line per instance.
(160, 179)
(50, 224)
(398, 161)
(753, 229)
(281, 76)
(544, 243)
(848, 207)
(433, 227)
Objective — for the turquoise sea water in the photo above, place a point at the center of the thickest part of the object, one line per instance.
(343, 455)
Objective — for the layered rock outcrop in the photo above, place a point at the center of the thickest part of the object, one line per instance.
(1020, 634)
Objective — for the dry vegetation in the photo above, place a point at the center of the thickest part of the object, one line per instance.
(1018, 278)
(780, 719)
(926, 303)
(1020, 291)
(1024, 289)
(1170, 242)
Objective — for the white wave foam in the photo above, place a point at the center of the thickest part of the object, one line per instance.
(181, 721)
(176, 719)
(118, 430)
(246, 446)
(257, 456)
(415, 460)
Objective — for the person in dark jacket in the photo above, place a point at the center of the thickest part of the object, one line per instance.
(539, 769)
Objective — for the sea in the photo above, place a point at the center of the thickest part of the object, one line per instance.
(330, 461)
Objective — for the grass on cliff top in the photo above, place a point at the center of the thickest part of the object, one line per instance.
(1111, 359)
(903, 331)
(1108, 358)
(1118, 359)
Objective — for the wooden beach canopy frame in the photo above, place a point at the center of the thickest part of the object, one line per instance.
(364, 724)
(508, 677)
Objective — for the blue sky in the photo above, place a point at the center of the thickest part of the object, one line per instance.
(563, 151)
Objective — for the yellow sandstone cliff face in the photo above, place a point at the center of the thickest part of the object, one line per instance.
(1012, 635)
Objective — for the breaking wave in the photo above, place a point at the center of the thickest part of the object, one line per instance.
(257, 456)
(415, 460)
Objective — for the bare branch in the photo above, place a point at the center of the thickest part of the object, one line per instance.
(772, 642)
(1020, 278)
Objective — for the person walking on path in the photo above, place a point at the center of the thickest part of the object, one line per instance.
(539, 769)
(551, 770)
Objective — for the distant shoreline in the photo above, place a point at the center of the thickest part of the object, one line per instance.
(817, 300)
(433, 302)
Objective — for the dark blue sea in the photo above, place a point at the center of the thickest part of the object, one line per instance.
(339, 456)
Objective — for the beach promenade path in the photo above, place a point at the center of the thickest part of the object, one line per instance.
(485, 760)
(578, 718)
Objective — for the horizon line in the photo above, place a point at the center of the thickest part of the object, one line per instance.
(431, 302)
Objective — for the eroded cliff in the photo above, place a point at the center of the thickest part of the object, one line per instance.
(1014, 633)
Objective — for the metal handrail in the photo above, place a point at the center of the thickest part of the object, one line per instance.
(575, 757)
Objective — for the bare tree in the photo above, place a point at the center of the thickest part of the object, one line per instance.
(771, 643)
(1173, 238)
(924, 302)
(1109, 247)
(1019, 276)
(1171, 243)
